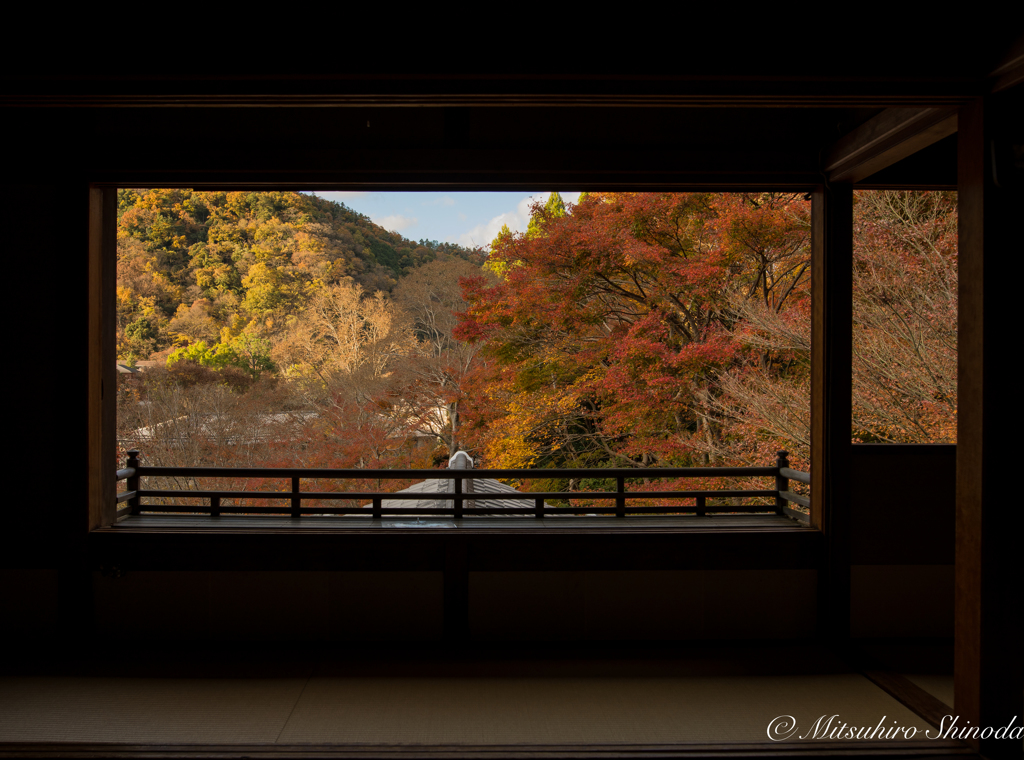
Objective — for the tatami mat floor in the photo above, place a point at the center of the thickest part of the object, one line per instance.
(694, 698)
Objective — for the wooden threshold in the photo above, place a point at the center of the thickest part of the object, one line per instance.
(929, 707)
(427, 523)
(919, 750)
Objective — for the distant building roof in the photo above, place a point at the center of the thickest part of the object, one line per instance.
(477, 486)
(480, 486)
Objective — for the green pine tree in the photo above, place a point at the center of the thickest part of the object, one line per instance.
(504, 239)
(555, 207)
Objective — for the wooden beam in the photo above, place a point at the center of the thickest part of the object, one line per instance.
(483, 169)
(1010, 72)
(102, 388)
(831, 368)
(889, 137)
(759, 90)
(989, 524)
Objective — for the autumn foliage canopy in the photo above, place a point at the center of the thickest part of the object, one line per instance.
(674, 329)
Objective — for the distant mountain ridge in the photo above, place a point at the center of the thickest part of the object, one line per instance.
(196, 265)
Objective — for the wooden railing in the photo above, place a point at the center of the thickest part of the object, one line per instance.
(786, 496)
(781, 495)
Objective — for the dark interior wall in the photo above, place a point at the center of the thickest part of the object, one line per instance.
(260, 606)
(44, 219)
(903, 500)
(28, 600)
(44, 227)
(903, 504)
(408, 606)
(324, 606)
(44, 204)
(643, 605)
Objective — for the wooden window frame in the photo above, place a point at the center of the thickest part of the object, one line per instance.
(102, 407)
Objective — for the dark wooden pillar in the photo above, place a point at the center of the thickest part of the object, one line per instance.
(831, 340)
(102, 359)
(989, 524)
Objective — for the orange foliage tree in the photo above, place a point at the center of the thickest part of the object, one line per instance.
(612, 323)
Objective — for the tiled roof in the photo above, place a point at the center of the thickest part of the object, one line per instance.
(479, 486)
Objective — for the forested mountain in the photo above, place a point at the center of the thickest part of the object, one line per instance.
(208, 266)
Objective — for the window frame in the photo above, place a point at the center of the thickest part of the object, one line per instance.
(102, 413)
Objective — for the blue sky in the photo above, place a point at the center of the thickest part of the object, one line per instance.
(470, 219)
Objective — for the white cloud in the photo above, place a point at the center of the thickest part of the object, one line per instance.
(483, 234)
(396, 222)
(517, 220)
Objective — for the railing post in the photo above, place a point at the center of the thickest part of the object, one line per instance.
(377, 502)
(132, 482)
(462, 461)
(538, 507)
(458, 495)
(702, 501)
(214, 506)
(296, 499)
(781, 483)
(620, 498)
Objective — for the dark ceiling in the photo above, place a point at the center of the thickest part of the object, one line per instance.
(729, 121)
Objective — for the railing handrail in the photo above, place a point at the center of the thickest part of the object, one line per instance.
(134, 472)
(448, 495)
(357, 474)
(797, 475)
(448, 513)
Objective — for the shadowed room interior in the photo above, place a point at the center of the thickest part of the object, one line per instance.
(227, 637)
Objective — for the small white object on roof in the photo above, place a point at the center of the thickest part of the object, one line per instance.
(460, 460)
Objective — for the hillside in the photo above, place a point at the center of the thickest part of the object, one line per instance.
(204, 266)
